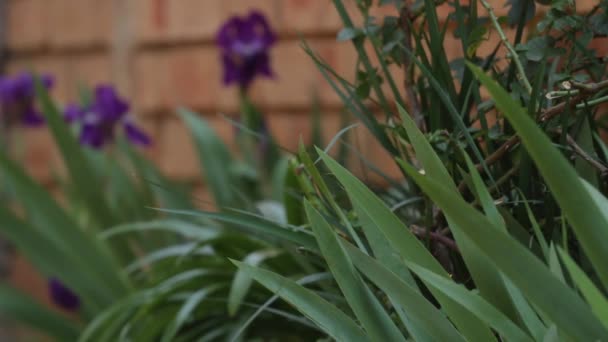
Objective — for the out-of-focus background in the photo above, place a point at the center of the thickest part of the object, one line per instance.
(161, 54)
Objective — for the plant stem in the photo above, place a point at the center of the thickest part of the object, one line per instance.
(514, 56)
(583, 154)
(369, 68)
(435, 236)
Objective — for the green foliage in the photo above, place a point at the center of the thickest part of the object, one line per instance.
(508, 239)
(493, 231)
(166, 274)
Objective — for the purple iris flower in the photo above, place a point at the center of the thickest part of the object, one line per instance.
(62, 296)
(17, 98)
(99, 120)
(244, 44)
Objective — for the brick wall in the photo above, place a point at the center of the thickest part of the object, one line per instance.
(161, 54)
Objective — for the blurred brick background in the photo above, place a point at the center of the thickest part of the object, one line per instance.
(161, 54)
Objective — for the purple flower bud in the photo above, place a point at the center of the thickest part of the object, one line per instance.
(98, 122)
(17, 98)
(244, 43)
(62, 296)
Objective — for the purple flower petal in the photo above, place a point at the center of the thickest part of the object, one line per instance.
(32, 118)
(228, 32)
(6, 89)
(72, 113)
(136, 135)
(245, 42)
(231, 69)
(93, 136)
(98, 123)
(17, 98)
(62, 295)
(107, 103)
(263, 66)
(262, 29)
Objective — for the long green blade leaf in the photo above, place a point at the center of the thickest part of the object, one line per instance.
(554, 298)
(476, 304)
(333, 321)
(20, 307)
(422, 313)
(373, 317)
(380, 218)
(588, 221)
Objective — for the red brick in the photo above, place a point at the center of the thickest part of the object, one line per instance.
(309, 16)
(370, 152)
(151, 88)
(160, 20)
(270, 8)
(168, 20)
(27, 24)
(297, 76)
(89, 71)
(29, 280)
(151, 127)
(202, 198)
(36, 150)
(178, 157)
(179, 77)
(80, 23)
(600, 45)
(289, 128)
(69, 72)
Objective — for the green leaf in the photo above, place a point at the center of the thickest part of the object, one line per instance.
(21, 308)
(595, 297)
(554, 298)
(255, 224)
(544, 246)
(186, 311)
(474, 303)
(483, 194)
(487, 279)
(242, 281)
(589, 222)
(333, 321)
(178, 227)
(423, 315)
(291, 197)
(215, 159)
(74, 158)
(375, 320)
(584, 140)
(380, 219)
(80, 250)
(348, 33)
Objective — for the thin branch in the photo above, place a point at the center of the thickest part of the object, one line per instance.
(583, 154)
(435, 236)
(514, 56)
(408, 82)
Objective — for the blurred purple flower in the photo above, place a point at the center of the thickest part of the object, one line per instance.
(99, 120)
(17, 98)
(244, 44)
(63, 296)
